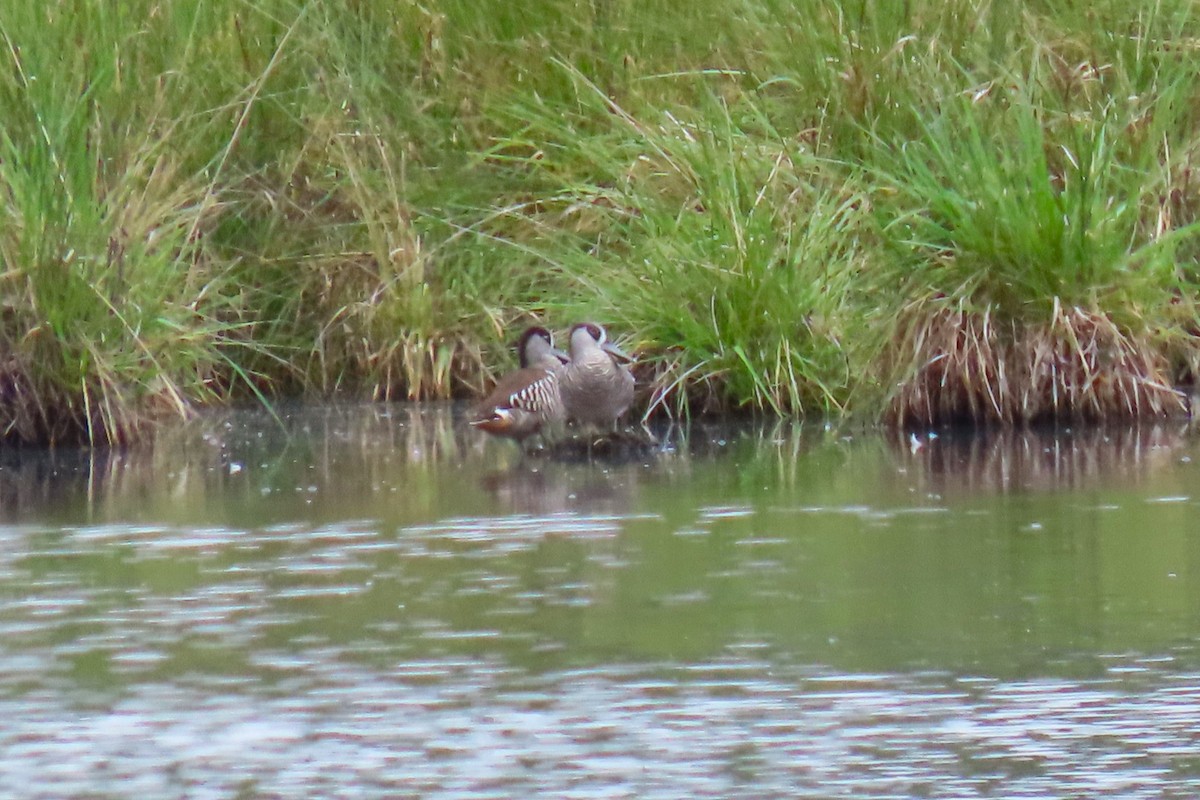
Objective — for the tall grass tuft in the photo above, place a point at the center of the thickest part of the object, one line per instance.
(396, 281)
(1029, 250)
(113, 311)
(729, 253)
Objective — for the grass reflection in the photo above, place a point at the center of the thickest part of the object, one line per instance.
(267, 550)
(967, 462)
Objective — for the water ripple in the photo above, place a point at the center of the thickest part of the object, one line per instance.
(461, 727)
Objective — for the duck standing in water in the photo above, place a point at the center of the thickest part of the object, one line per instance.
(596, 385)
(526, 400)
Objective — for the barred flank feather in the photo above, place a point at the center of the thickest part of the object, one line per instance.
(521, 404)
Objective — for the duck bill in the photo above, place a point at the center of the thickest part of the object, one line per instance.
(617, 352)
(498, 421)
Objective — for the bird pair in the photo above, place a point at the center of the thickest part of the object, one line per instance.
(591, 386)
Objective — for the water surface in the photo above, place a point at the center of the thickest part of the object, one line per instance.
(374, 601)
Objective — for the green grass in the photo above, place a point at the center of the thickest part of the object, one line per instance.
(917, 211)
(729, 256)
(1037, 242)
(115, 306)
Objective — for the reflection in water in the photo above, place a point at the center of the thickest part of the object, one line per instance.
(340, 452)
(376, 601)
(545, 488)
(1040, 460)
(357, 451)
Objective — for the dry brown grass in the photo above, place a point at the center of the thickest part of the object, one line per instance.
(972, 366)
(34, 409)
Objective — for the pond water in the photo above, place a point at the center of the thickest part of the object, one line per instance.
(374, 601)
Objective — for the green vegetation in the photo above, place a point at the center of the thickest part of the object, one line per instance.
(916, 211)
